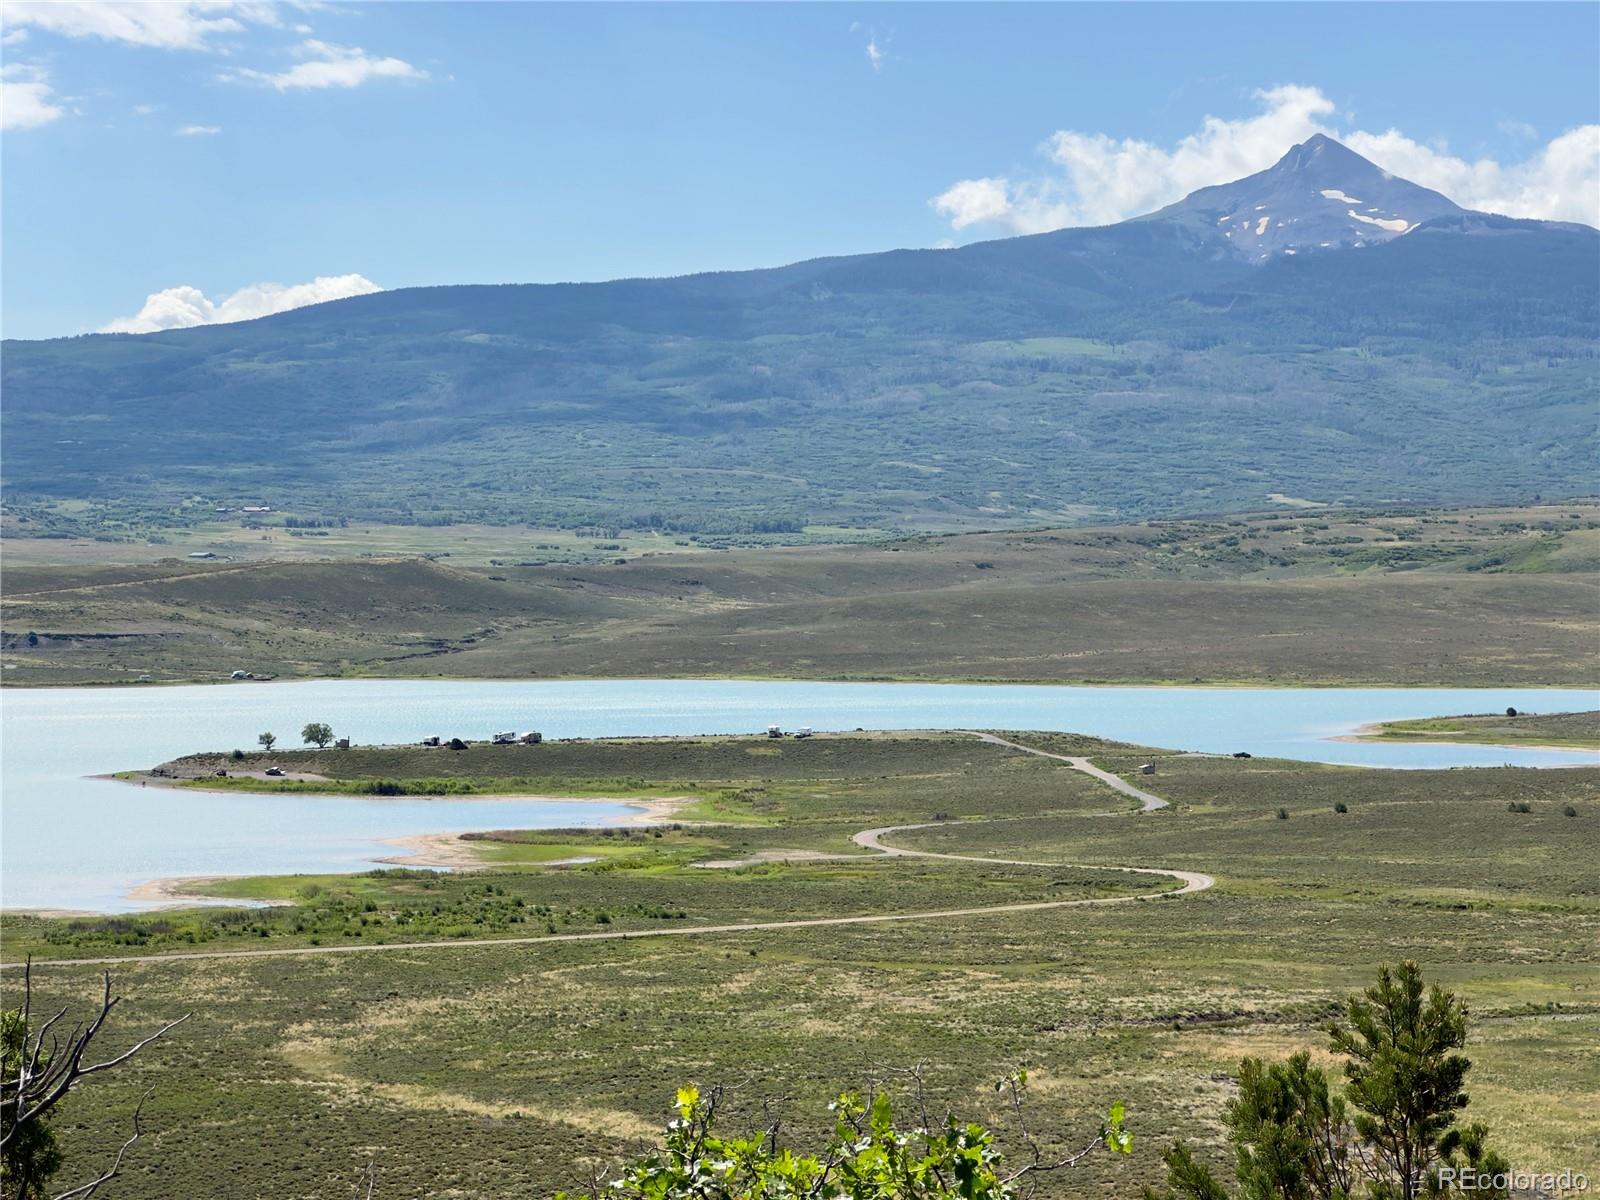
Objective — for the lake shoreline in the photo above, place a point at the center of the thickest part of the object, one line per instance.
(61, 745)
(940, 680)
(1373, 733)
(446, 850)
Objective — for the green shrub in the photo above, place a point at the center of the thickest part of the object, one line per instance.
(866, 1158)
(1391, 1133)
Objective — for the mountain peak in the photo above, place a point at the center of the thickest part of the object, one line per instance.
(1319, 153)
(1321, 195)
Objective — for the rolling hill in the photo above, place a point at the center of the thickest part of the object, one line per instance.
(1320, 331)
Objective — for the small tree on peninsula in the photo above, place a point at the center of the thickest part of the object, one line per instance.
(267, 741)
(318, 734)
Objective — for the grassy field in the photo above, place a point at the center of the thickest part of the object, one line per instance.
(1499, 729)
(496, 1070)
(269, 538)
(1487, 596)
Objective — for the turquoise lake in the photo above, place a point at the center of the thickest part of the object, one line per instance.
(73, 842)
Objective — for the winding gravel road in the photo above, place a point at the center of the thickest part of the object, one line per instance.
(1147, 802)
(867, 839)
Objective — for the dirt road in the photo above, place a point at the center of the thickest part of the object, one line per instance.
(1148, 803)
(867, 839)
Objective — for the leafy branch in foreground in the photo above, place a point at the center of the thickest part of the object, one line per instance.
(867, 1157)
(38, 1069)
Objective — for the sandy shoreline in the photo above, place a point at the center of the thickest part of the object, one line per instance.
(451, 851)
(1371, 733)
(447, 850)
(173, 892)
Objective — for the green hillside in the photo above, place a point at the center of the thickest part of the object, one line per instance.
(1133, 371)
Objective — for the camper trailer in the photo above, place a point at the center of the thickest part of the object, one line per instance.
(506, 738)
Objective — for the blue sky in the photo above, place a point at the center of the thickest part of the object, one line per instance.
(428, 143)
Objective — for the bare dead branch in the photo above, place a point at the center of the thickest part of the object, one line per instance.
(1064, 1163)
(49, 1066)
(89, 1189)
(44, 1077)
(369, 1177)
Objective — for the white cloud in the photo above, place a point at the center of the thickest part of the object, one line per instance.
(26, 101)
(877, 47)
(185, 307)
(196, 130)
(1095, 179)
(1561, 182)
(329, 66)
(172, 25)
(976, 202)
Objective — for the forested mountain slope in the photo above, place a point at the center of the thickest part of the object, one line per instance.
(1148, 368)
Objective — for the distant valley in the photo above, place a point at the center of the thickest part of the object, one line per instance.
(1461, 597)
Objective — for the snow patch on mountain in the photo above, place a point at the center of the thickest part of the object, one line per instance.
(1320, 195)
(1394, 225)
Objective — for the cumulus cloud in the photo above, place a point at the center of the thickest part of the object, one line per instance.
(196, 130)
(1094, 179)
(26, 100)
(977, 201)
(1561, 182)
(185, 307)
(173, 25)
(329, 66)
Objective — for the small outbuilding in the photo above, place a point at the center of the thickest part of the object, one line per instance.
(1147, 769)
